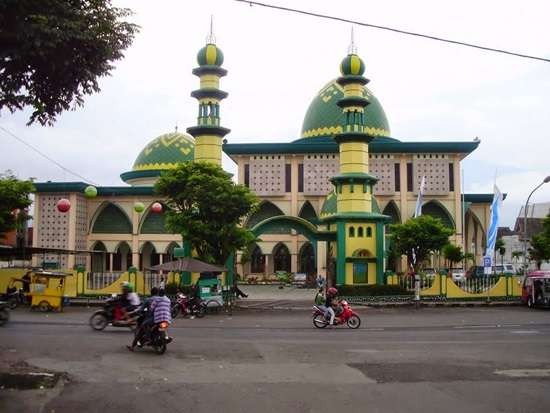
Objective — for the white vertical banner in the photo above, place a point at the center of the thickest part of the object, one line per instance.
(419, 200)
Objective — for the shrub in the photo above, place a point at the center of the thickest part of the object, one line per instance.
(372, 290)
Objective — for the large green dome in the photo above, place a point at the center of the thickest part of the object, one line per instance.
(162, 153)
(325, 118)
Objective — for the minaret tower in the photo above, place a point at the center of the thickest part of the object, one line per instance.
(208, 133)
(359, 224)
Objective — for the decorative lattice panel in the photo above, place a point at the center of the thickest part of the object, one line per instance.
(317, 171)
(81, 228)
(383, 166)
(53, 226)
(267, 175)
(435, 167)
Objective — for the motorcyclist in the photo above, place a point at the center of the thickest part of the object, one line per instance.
(147, 321)
(129, 299)
(331, 303)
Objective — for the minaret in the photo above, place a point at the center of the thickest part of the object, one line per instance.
(208, 133)
(359, 224)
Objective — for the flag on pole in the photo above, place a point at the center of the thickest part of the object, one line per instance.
(493, 224)
(419, 200)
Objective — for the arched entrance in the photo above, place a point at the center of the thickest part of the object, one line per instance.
(306, 260)
(122, 258)
(257, 261)
(281, 258)
(148, 256)
(100, 258)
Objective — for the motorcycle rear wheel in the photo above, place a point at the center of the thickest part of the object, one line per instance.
(354, 322)
(200, 310)
(12, 303)
(175, 310)
(319, 321)
(98, 321)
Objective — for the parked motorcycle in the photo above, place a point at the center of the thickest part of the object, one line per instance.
(113, 314)
(4, 313)
(346, 316)
(188, 306)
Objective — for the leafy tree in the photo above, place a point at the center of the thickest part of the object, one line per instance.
(540, 244)
(420, 237)
(452, 253)
(206, 207)
(14, 200)
(52, 52)
(500, 246)
(469, 257)
(516, 255)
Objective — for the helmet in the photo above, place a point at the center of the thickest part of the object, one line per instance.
(332, 291)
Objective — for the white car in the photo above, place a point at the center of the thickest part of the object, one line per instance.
(457, 274)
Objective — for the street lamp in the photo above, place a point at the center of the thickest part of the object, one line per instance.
(545, 181)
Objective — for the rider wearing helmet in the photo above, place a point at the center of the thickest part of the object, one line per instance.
(331, 303)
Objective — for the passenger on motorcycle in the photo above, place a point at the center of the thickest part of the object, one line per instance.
(147, 321)
(331, 304)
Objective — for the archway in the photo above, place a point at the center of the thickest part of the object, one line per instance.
(148, 256)
(122, 258)
(281, 258)
(437, 210)
(100, 259)
(306, 260)
(474, 235)
(154, 222)
(392, 211)
(111, 219)
(265, 211)
(257, 261)
(169, 252)
(308, 213)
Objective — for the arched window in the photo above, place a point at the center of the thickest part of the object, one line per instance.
(360, 232)
(122, 259)
(307, 259)
(257, 261)
(265, 211)
(308, 213)
(437, 210)
(154, 223)
(112, 220)
(369, 232)
(393, 212)
(100, 258)
(351, 232)
(281, 258)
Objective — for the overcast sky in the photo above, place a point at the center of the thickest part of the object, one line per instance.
(278, 61)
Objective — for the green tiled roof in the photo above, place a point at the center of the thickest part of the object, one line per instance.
(330, 208)
(165, 152)
(325, 118)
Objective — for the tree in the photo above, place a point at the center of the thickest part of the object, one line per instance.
(206, 207)
(500, 246)
(469, 257)
(420, 237)
(516, 255)
(52, 52)
(452, 253)
(540, 244)
(14, 200)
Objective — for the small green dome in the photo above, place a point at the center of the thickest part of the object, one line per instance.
(330, 205)
(352, 65)
(210, 55)
(324, 118)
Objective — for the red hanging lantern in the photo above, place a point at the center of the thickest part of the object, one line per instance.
(156, 208)
(63, 205)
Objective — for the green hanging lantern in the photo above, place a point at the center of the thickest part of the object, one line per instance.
(139, 207)
(90, 191)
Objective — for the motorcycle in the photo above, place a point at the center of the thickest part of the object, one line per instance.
(158, 337)
(4, 313)
(113, 314)
(188, 306)
(14, 297)
(345, 316)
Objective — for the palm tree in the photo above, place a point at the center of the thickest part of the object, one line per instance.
(500, 247)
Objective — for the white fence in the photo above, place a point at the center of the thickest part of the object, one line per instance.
(477, 285)
(99, 280)
(408, 283)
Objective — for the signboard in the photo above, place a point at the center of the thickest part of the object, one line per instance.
(487, 265)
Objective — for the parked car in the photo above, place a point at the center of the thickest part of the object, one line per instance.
(458, 274)
(429, 272)
(506, 269)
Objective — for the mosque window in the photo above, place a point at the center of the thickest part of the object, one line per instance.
(369, 232)
(360, 232)
(451, 178)
(351, 232)
(300, 177)
(247, 175)
(409, 176)
(288, 177)
(397, 177)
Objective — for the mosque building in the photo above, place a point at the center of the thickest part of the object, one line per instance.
(327, 197)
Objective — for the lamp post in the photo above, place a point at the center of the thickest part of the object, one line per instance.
(545, 180)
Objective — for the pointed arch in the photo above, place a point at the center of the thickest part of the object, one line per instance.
(110, 218)
(100, 258)
(168, 254)
(257, 260)
(306, 259)
(122, 258)
(153, 222)
(308, 213)
(436, 209)
(148, 255)
(281, 257)
(265, 211)
(392, 210)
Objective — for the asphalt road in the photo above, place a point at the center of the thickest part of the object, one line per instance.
(400, 360)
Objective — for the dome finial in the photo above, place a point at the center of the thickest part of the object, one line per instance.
(211, 38)
(352, 49)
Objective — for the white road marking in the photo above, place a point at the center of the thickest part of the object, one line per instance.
(524, 332)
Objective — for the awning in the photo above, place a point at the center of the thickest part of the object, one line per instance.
(187, 264)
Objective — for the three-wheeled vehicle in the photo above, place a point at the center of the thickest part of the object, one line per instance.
(535, 290)
(47, 290)
(16, 292)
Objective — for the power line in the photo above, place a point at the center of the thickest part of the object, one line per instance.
(46, 156)
(375, 26)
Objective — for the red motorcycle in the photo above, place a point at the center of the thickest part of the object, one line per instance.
(345, 316)
(188, 306)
